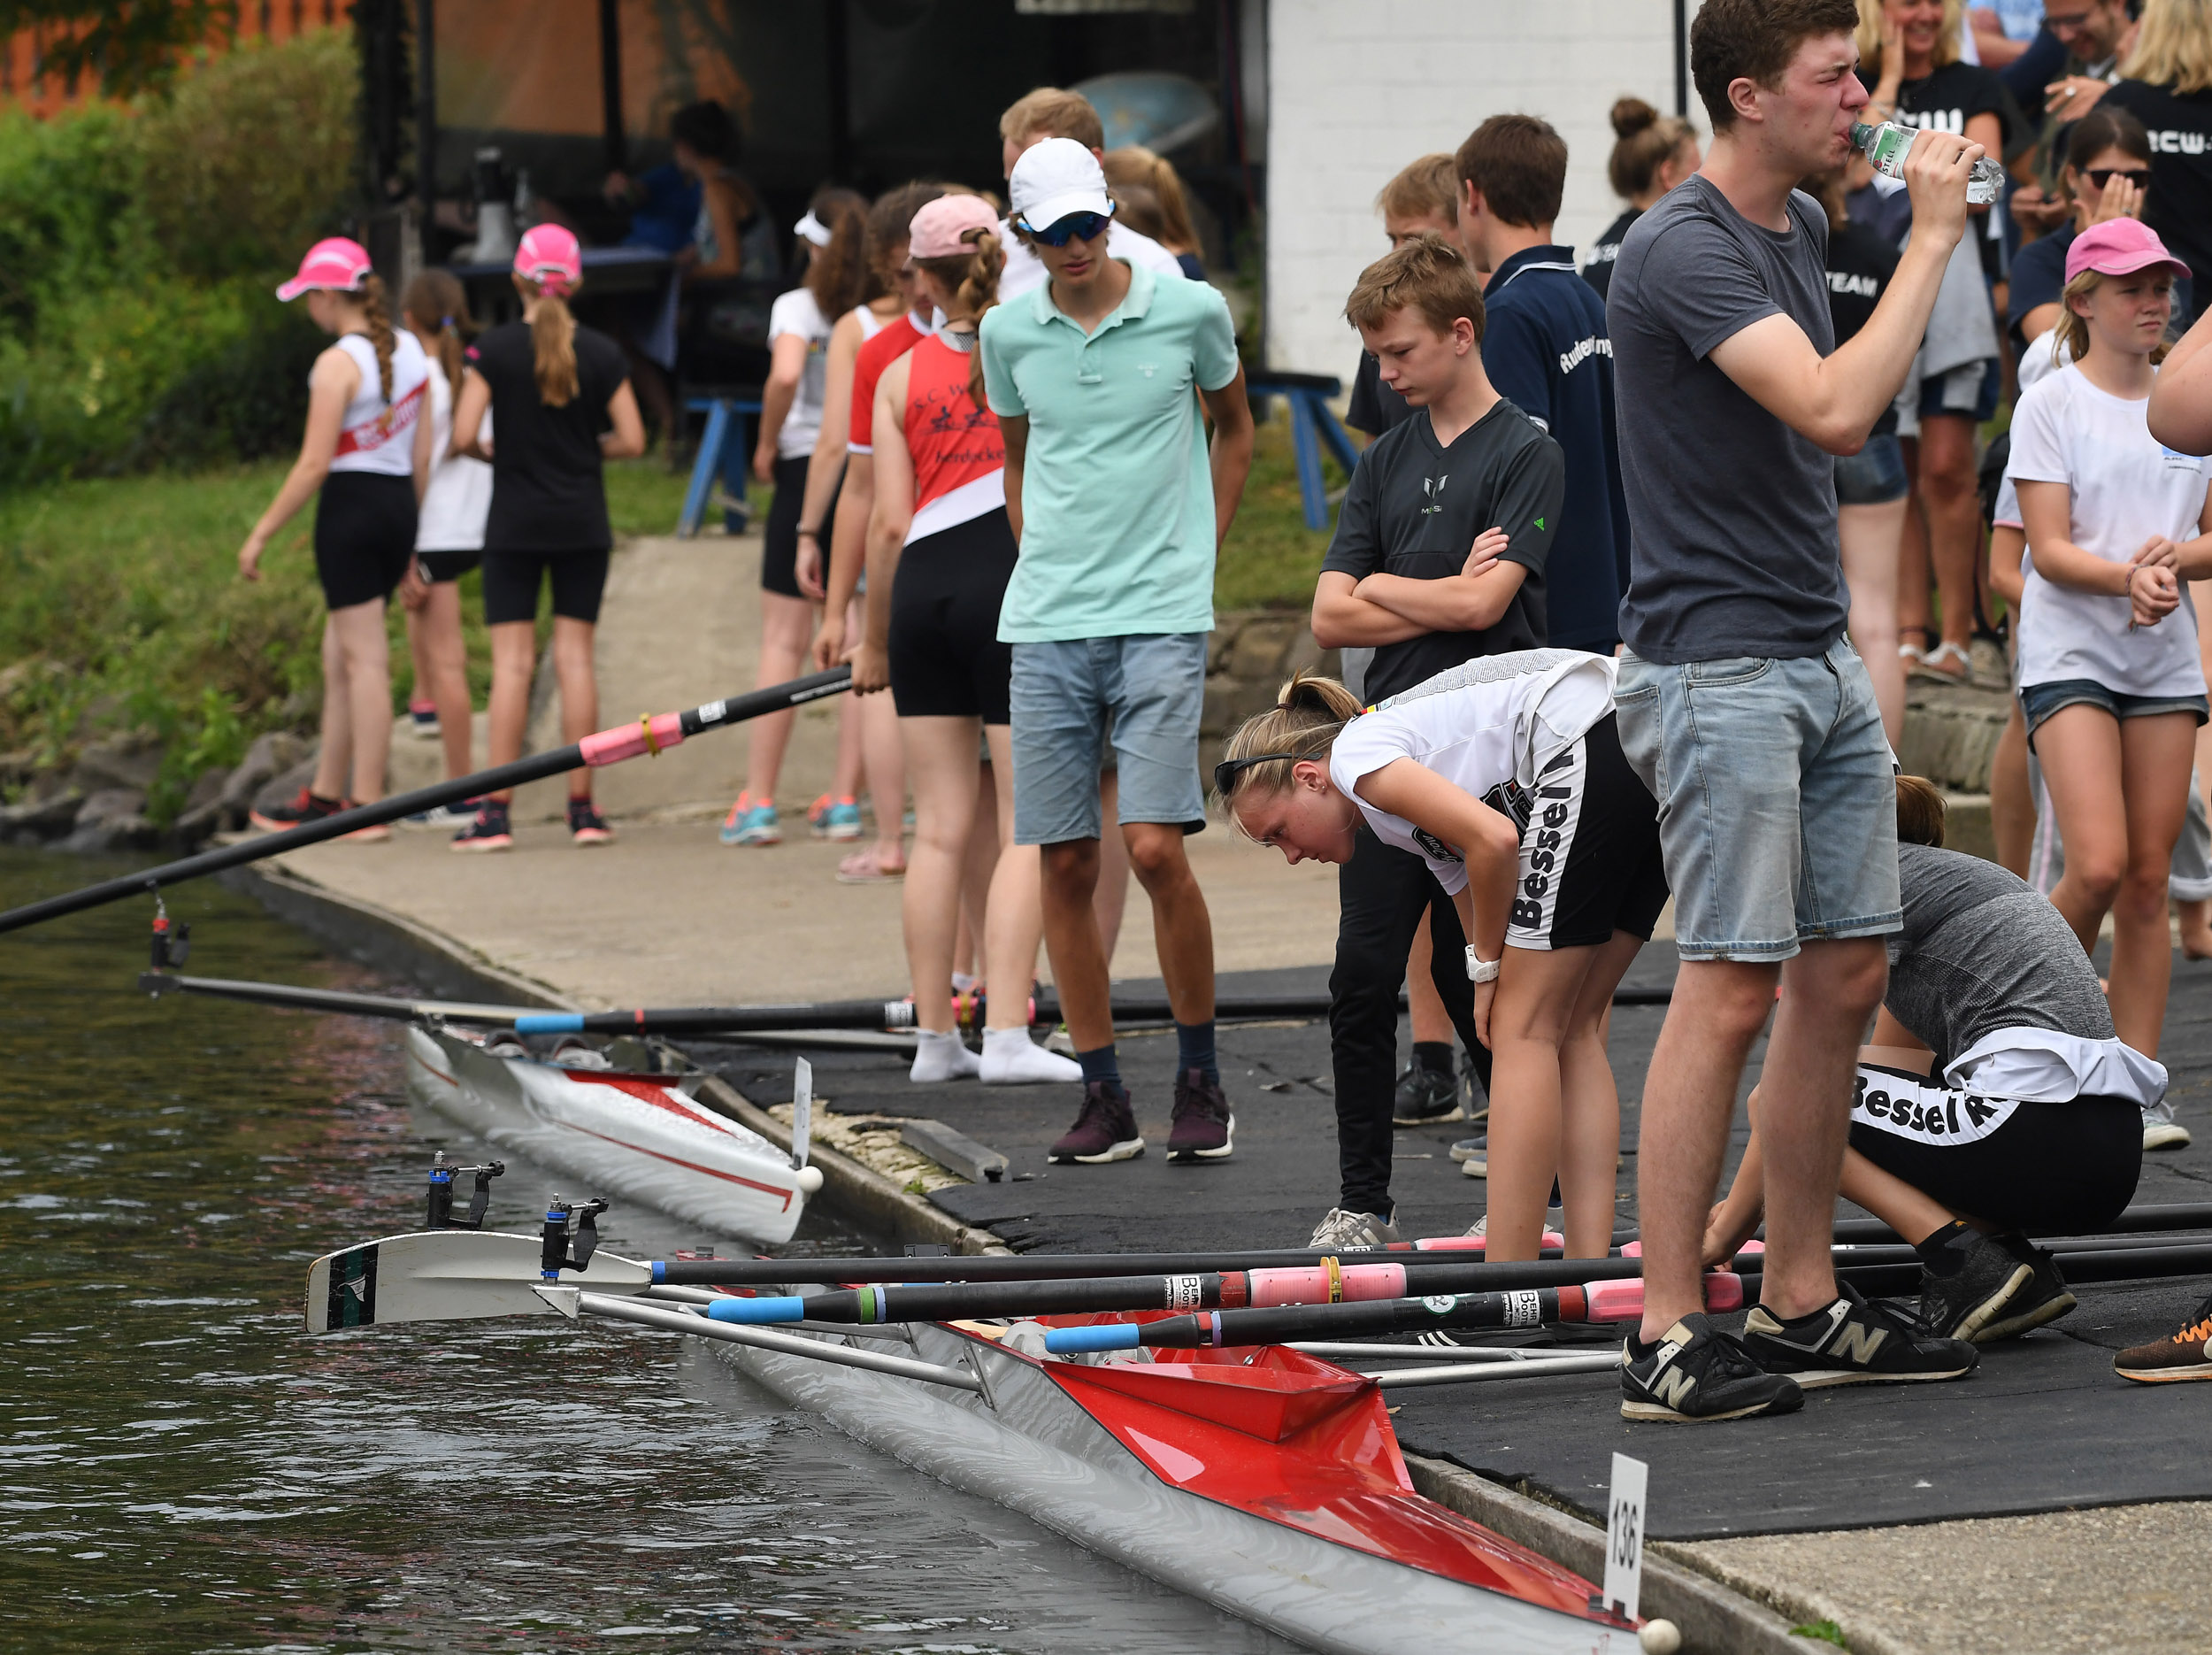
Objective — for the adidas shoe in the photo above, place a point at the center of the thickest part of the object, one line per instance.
(1698, 1374)
(1105, 1129)
(1347, 1229)
(1852, 1342)
(1204, 1127)
(2187, 1355)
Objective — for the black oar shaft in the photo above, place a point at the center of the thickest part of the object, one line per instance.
(607, 747)
(1463, 1313)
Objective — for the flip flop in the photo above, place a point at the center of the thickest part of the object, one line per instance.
(865, 867)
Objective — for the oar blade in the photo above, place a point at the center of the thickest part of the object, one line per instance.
(447, 1275)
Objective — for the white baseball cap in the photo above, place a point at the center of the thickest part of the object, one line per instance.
(1054, 177)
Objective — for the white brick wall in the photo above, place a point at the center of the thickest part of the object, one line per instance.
(1358, 87)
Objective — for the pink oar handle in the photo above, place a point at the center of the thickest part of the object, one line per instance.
(1623, 1300)
(626, 741)
(1310, 1284)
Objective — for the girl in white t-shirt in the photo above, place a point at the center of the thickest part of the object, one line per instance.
(1505, 775)
(2110, 682)
(455, 497)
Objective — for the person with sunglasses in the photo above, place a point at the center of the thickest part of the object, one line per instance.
(1051, 112)
(1502, 779)
(2167, 85)
(2105, 175)
(1119, 517)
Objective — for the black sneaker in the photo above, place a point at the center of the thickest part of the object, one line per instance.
(1698, 1374)
(587, 826)
(1106, 1130)
(1425, 1098)
(1984, 1282)
(2044, 1299)
(1205, 1127)
(308, 807)
(489, 831)
(1852, 1342)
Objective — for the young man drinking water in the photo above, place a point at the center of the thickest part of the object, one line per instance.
(1439, 557)
(1120, 515)
(1743, 706)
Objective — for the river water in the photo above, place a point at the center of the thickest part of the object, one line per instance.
(183, 1469)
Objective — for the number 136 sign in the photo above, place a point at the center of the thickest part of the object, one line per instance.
(1625, 1535)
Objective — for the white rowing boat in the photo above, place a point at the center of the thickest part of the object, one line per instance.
(641, 1137)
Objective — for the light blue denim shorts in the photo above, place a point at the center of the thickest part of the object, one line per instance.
(1151, 689)
(1778, 802)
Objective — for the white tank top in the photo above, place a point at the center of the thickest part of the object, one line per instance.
(377, 435)
(459, 496)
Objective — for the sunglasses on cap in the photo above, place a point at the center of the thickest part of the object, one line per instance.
(1078, 226)
(1227, 772)
(2101, 176)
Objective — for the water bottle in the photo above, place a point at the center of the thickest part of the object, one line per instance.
(1887, 145)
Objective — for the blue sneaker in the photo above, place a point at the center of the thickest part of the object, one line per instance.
(834, 819)
(752, 823)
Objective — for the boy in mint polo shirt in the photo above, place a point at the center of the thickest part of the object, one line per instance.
(1119, 512)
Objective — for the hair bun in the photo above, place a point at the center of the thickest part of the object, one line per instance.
(1631, 116)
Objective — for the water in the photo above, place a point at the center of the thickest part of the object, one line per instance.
(182, 1468)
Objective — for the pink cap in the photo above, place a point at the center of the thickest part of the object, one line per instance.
(337, 264)
(939, 229)
(2119, 246)
(550, 257)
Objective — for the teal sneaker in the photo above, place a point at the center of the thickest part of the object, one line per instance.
(751, 822)
(833, 819)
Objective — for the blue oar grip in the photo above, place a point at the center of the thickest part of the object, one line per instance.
(550, 1023)
(1111, 1335)
(755, 1311)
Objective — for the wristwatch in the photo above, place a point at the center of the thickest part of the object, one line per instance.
(1481, 970)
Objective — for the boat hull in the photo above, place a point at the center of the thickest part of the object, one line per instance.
(1031, 1446)
(632, 1135)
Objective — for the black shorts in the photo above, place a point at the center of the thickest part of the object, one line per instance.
(437, 568)
(946, 659)
(779, 535)
(1590, 860)
(2051, 1169)
(512, 579)
(364, 535)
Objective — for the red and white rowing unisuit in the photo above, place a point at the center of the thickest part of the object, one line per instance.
(959, 452)
(378, 436)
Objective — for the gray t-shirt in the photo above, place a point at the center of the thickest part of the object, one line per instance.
(1732, 515)
(1980, 951)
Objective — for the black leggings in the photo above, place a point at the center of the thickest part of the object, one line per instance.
(947, 661)
(512, 581)
(1381, 894)
(2050, 1169)
(364, 535)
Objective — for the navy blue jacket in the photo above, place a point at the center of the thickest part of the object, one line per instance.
(1546, 349)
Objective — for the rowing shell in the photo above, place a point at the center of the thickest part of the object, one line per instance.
(635, 1136)
(1266, 1481)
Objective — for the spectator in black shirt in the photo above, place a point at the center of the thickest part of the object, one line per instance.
(1422, 200)
(1652, 153)
(2169, 88)
(2105, 175)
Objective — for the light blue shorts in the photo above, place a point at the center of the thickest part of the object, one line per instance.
(1778, 802)
(1151, 689)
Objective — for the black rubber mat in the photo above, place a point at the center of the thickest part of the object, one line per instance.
(2043, 1425)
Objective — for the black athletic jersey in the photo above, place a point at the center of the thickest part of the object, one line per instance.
(548, 491)
(1947, 99)
(2179, 204)
(1374, 407)
(1414, 508)
(1598, 272)
(1860, 266)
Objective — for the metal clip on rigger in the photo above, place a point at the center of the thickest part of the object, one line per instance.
(440, 1216)
(555, 1257)
(172, 940)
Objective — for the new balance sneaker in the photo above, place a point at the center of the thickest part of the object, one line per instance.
(2187, 1355)
(1425, 1098)
(308, 807)
(1205, 1127)
(489, 831)
(1105, 1130)
(1852, 1342)
(2160, 1129)
(751, 821)
(587, 826)
(1984, 1281)
(1345, 1229)
(1697, 1373)
(833, 819)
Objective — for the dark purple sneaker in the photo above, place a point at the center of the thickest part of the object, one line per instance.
(1205, 1128)
(1105, 1131)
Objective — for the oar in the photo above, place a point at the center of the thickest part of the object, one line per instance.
(650, 735)
(693, 1020)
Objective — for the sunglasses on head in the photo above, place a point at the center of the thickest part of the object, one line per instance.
(1227, 772)
(2101, 176)
(1079, 226)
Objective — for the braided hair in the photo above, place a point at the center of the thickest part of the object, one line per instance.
(376, 311)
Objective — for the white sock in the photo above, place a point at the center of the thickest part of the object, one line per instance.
(961, 982)
(941, 1057)
(1011, 1058)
